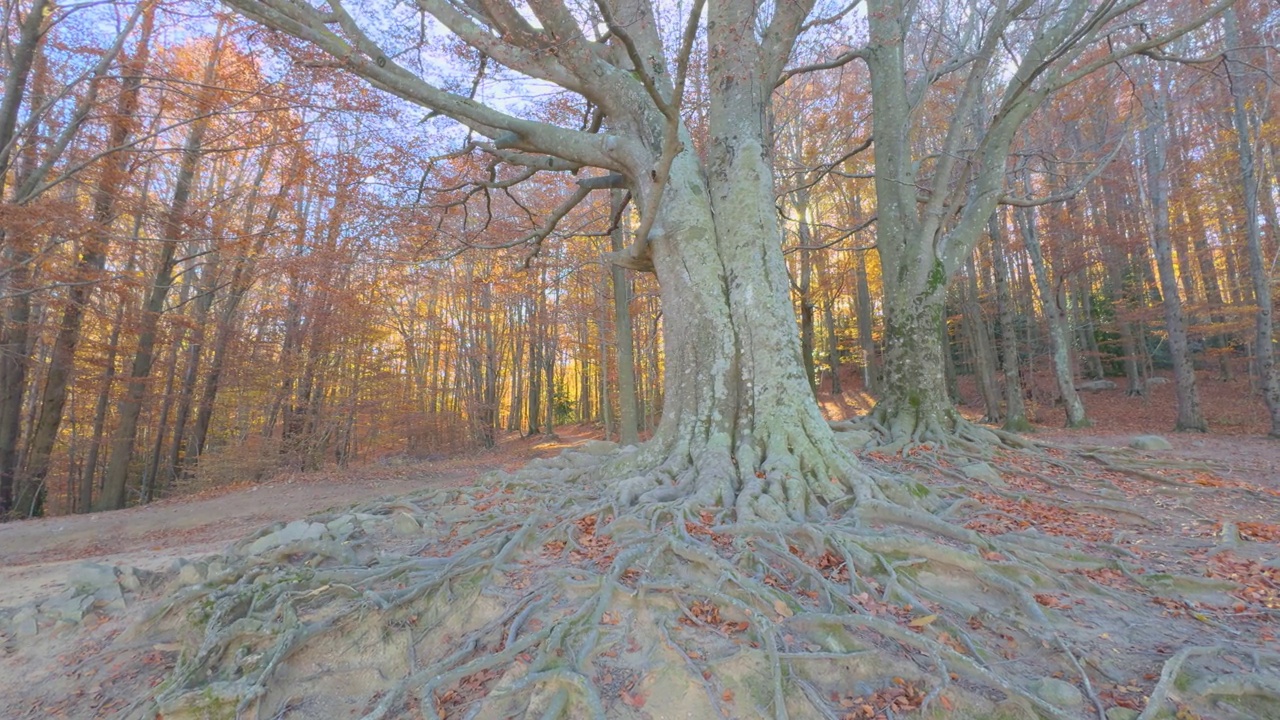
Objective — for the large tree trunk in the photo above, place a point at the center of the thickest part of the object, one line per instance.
(739, 423)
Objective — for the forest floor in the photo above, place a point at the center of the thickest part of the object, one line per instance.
(92, 666)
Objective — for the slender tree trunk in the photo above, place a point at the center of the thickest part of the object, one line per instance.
(980, 341)
(871, 367)
(1055, 318)
(18, 254)
(115, 483)
(1154, 144)
(1087, 328)
(191, 373)
(833, 342)
(24, 51)
(92, 258)
(628, 427)
(151, 473)
(1015, 410)
(241, 281)
(1264, 351)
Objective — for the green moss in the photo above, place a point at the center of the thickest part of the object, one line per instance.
(937, 276)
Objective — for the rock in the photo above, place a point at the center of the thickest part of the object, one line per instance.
(68, 609)
(984, 472)
(109, 598)
(1157, 380)
(190, 573)
(1121, 713)
(341, 524)
(23, 623)
(1150, 442)
(129, 580)
(405, 524)
(854, 440)
(87, 577)
(291, 533)
(1057, 692)
(1096, 386)
(598, 448)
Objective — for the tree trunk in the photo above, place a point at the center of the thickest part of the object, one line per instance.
(1015, 409)
(241, 281)
(1153, 140)
(191, 373)
(980, 342)
(1086, 327)
(1055, 318)
(866, 328)
(833, 342)
(628, 427)
(1264, 352)
(113, 495)
(92, 259)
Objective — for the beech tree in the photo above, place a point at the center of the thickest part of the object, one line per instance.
(996, 63)
(745, 498)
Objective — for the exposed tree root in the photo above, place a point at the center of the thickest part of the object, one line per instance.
(699, 588)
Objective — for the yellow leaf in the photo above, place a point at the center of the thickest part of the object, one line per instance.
(782, 609)
(922, 621)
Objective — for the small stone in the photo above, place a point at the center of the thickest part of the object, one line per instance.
(129, 580)
(1057, 692)
(1096, 386)
(405, 524)
(24, 623)
(1150, 442)
(293, 532)
(1121, 713)
(340, 524)
(190, 573)
(109, 598)
(984, 472)
(1157, 380)
(72, 610)
(598, 448)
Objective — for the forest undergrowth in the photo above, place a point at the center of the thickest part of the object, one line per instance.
(1041, 581)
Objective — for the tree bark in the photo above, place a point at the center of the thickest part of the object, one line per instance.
(1264, 351)
(115, 484)
(1015, 409)
(628, 427)
(92, 258)
(1155, 146)
(1055, 319)
(981, 345)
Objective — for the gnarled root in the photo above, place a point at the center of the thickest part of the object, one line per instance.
(560, 592)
